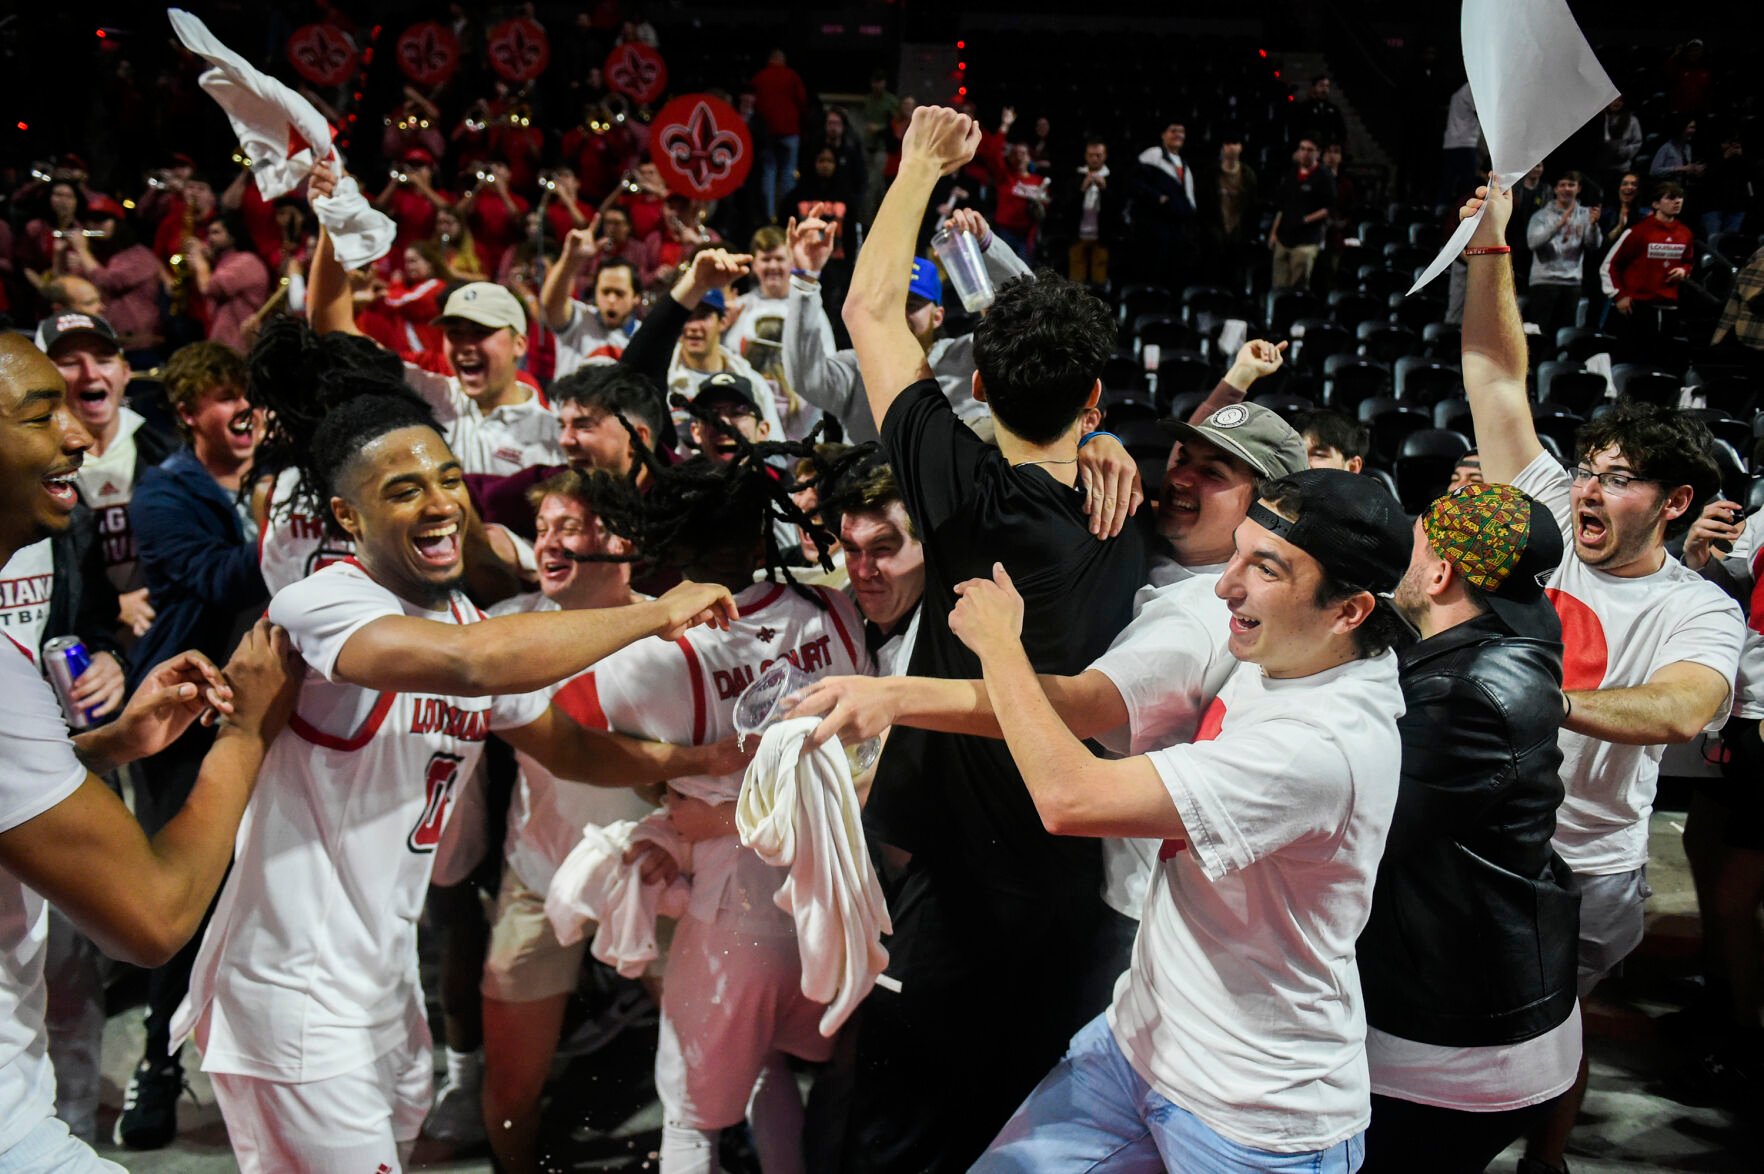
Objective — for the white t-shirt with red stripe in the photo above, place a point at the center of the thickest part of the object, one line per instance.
(295, 542)
(309, 967)
(1616, 634)
(547, 814)
(586, 341)
(684, 693)
(1243, 1001)
(40, 771)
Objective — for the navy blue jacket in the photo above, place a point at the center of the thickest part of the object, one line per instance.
(202, 576)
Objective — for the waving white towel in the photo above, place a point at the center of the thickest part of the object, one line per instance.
(594, 884)
(800, 811)
(285, 138)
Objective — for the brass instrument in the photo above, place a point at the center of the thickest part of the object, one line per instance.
(180, 266)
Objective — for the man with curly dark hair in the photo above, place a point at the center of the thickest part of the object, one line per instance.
(993, 917)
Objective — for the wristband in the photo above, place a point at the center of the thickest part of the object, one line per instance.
(810, 274)
(1488, 251)
(1090, 436)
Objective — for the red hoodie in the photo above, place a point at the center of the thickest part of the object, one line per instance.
(1647, 251)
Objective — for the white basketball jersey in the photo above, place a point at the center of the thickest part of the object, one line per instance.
(309, 968)
(294, 541)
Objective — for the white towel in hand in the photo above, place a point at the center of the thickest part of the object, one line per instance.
(594, 884)
(285, 138)
(799, 811)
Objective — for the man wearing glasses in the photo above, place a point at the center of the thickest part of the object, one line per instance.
(1649, 648)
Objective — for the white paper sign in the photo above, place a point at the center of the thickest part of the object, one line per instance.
(1535, 81)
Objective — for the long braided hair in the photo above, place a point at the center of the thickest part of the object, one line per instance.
(702, 505)
(299, 378)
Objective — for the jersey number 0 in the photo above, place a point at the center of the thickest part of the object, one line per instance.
(440, 777)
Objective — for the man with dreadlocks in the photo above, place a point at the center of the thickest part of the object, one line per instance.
(732, 1005)
(305, 998)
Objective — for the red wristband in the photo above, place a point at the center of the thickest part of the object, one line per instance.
(1489, 251)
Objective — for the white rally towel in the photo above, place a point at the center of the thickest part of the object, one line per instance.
(285, 138)
(799, 810)
(1535, 81)
(593, 884)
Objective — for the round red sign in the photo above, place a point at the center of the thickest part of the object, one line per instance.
(322, 54)
(428, 53)
(702, 146)
(637, 71)
(518, 49)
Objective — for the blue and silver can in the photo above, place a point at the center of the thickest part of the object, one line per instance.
(65, 660)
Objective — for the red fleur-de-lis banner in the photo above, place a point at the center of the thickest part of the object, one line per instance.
(702, 146)
(637, 71)
(428, 53)
(322, 54)
(518, 49)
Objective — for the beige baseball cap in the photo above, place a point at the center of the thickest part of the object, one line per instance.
(487, 304)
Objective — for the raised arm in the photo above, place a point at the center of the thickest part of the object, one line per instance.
(142, 899)
(857, 708)
(517, 653)
(814, 366)
(554, 296)
(1494, 346)
(330, 306)
(938, 141)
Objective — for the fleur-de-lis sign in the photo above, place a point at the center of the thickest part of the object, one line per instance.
(700, 149)
(321, 54)
(519, 50)
(637, 71)
(428, 53)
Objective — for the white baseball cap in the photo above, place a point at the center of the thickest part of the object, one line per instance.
(487, 304)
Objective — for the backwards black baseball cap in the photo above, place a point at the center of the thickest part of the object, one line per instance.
(1350, 524)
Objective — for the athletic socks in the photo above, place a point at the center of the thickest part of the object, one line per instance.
(464, 1069)
(685, 1150)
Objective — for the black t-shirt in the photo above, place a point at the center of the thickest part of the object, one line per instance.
(958, 802)
(1300, 196)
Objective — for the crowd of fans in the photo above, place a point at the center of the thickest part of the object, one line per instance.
(1373, 812)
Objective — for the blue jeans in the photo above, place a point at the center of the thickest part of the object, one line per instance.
(777, 171)
(1714, 222)
(1094, 1113)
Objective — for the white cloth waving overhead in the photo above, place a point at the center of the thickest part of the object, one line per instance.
(285, 137)
(594, 884)
(799, 810)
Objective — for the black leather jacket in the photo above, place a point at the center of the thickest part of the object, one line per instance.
(1471, 940)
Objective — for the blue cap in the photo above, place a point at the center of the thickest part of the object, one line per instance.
(714, 299)
(925, 283)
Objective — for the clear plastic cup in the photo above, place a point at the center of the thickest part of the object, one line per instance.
(766, 701)
(959, 253)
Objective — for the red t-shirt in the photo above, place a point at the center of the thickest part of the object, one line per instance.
(559, 222)
(780, 98)
(494, 228)
(1648, 251)
(1016, 195)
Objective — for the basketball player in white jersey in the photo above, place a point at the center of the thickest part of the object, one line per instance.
(732, 1002)
(304, 998)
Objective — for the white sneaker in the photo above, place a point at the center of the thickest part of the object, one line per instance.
(458, 1115)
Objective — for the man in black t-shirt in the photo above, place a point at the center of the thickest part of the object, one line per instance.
(1302, 208)
(994, 918)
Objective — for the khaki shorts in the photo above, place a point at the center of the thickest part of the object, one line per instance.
(525, 962)
(1610, 923)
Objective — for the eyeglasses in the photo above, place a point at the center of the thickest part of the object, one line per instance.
(1615, 484)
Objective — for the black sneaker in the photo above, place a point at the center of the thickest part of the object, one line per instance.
(1533, 1166)
(149, 1117)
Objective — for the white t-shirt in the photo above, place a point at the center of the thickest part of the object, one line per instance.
(1168, 665)
(547, 814)
(585, 340)
(1243, 1003)
(309, 967)
(1617, 633)
(107, 483)
(26, 582)
(295, 542)
(1476, 1080)
(508, 439)
(40, 771)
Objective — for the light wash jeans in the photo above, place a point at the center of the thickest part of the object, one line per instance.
(777, 171)
(1094, 1113)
